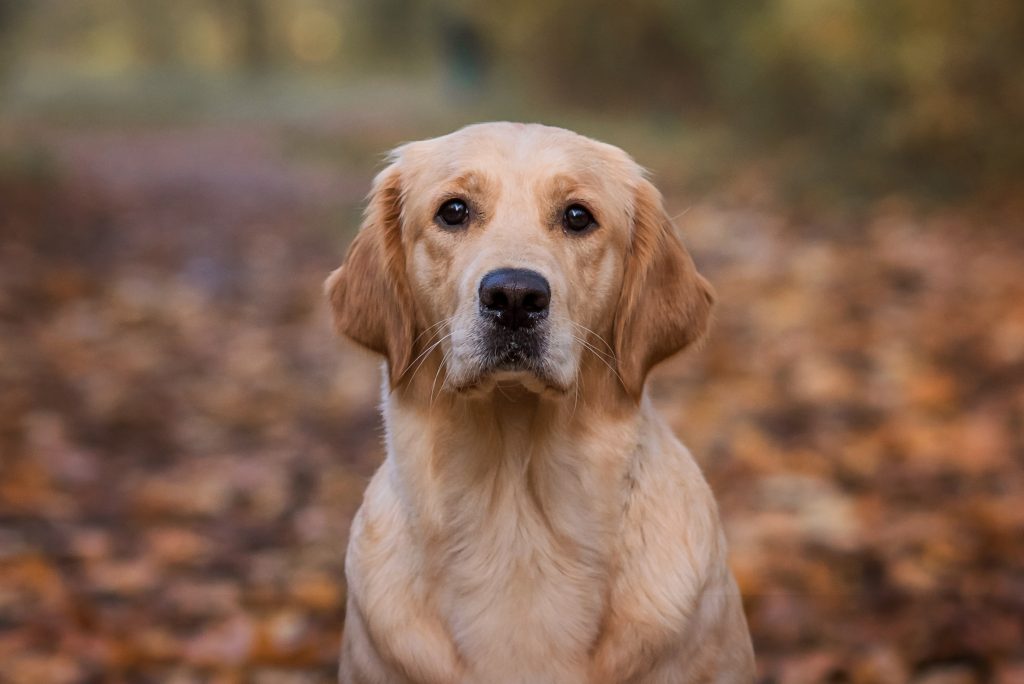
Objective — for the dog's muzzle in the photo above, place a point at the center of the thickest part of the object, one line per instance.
(514, 303)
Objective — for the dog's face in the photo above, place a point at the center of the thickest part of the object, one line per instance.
(512, 250)
(516, 243)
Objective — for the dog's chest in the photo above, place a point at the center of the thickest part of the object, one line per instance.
(524, 588)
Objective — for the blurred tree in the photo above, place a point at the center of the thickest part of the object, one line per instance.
(155, 28)
(11, 14)
(255, 49)
(464, 47)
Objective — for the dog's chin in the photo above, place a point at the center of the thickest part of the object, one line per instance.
(510, 380)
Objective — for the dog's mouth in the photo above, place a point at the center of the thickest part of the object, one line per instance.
(512, 359)
(517, 350)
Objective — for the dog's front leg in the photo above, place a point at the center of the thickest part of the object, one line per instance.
(711, 646)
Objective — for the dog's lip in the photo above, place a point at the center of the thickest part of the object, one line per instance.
(516, 350)
(532, 379)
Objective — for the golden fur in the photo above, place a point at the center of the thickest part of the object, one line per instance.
(530, 526)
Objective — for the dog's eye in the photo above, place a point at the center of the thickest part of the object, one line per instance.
(577, 219)
(454, 212)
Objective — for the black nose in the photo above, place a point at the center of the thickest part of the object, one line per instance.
(514, 297)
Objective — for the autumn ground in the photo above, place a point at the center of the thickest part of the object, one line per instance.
(184, 441)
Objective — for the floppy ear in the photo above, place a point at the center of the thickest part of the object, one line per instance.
(369, 293)
(665, 304)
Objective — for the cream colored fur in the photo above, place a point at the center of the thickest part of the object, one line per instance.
(530, 527)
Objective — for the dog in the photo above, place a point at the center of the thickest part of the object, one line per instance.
(534, 519)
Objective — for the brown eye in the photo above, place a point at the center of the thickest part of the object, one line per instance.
(454, 212)
(577, 219)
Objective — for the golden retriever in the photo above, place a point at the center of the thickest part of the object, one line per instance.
(534, 519)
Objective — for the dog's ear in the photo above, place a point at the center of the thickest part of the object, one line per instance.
(369, 293)
(665, 305)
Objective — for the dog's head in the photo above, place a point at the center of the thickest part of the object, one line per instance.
(511, 251)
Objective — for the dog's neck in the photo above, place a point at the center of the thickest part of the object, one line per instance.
(513, 457)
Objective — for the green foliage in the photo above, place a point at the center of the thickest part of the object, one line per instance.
(929, 87)
(908, 91)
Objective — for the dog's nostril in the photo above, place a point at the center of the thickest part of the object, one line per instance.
(514, 297)
(495, 299)
(535, 302)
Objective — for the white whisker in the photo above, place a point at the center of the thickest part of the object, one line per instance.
(591, 332)
(440, 367)
(599, 356)
(422, 358)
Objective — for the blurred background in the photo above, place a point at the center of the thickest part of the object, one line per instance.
(183, 441)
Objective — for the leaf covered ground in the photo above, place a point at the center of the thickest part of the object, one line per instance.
(183, 441)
